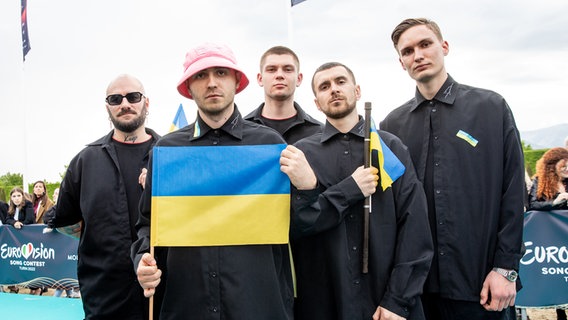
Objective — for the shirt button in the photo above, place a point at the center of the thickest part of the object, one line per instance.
(438, 191)
(354, 248)
(214, 309)
(215, 142)
(355, 281)
(346, 152)
(351, 216)
(442, 253)
(213, 274)
(435, 137)
(434, 110)
(436, 164)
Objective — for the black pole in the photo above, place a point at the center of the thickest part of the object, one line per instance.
(367, 206)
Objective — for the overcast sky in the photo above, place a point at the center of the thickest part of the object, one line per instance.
(53, 104)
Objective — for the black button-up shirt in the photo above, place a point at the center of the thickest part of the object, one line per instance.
(327, 232)
(94, 191)
(304, 126)
(467, 151)
(221, 282)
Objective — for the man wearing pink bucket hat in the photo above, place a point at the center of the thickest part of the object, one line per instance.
(215, 282)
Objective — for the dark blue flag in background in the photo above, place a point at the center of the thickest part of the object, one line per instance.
(25, 39)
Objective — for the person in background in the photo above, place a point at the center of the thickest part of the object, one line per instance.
(3, 212)
(101, 189)
(3, 215)
(330, 187)
(467, 152)
(215, 282)
(40, 200)
(279, 76)
(549, 190)
(41, 203)
(20, 210)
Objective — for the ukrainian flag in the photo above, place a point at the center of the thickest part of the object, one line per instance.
(390, 167)
(219, 195)
(180, 120)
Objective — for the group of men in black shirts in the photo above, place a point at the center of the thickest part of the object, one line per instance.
(445, 238)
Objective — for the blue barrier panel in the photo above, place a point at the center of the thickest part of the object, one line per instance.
(25, 306)
(31, 258)
(544, 267)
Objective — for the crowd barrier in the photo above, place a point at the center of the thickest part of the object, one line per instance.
(544, 267)
(30, 257)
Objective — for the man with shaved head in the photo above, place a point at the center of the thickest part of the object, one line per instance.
(101, 189)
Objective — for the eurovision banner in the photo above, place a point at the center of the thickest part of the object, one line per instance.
(31, 258)
(219, 195)
(544, 267)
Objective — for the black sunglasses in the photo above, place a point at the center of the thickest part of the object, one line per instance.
(116, 99)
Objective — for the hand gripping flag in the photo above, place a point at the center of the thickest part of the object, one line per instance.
(219, 195)
(390, 167)
(180, 120)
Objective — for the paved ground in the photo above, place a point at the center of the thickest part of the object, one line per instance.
(541, 314)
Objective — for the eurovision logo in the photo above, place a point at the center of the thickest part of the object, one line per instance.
(26, 251)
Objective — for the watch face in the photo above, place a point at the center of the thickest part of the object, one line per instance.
(512, 276)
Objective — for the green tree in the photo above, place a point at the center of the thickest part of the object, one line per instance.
(9, 181)
(12, 179)
(526, 147)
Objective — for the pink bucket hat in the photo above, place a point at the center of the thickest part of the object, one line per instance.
(206, 56)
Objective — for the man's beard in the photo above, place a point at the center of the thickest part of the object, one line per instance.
(131, 125)
(341, 113)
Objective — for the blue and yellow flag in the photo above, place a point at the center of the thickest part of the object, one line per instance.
(180, 120)
(212, 196)
(390, 167)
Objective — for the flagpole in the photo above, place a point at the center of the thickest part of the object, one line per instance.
(151, 300)
(290, 27)
(25, 176)
(25, 49)
(367, 205)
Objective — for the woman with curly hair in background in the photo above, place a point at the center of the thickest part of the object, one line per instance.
(549, 190)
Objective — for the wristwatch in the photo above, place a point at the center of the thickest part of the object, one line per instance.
(510, 275)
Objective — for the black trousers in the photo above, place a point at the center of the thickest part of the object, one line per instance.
(438, 308)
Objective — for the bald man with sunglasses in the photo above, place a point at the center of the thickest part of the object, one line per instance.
(101, 189)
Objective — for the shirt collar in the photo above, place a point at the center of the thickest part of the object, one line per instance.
(233, 126)
(447, 94)
(329, 131)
